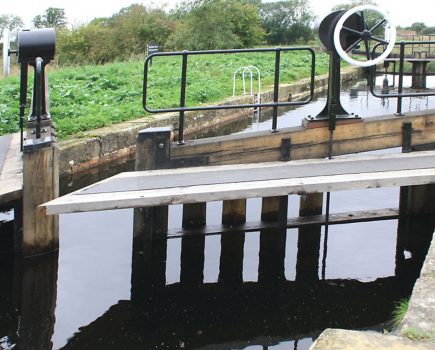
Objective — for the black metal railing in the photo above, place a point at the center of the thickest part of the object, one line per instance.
(400, 94)
(418, 45)
(182, 107)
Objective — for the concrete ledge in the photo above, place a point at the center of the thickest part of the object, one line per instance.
(340, 339)
(419, 321)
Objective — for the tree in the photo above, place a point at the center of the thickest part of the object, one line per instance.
(52, 18)
(122, 36)
(428, 30)
(216, 24)
(418, 27)
(353, 3)
(286, 22)
(12, 22)
(135, 26)
(371, 18)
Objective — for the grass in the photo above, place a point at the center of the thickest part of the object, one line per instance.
(88, 97)
(399, 312)
(415, 334)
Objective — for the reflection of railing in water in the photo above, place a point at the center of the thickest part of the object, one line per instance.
(228, 313)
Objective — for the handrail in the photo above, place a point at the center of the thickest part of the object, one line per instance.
(400, 94)
(182, 108)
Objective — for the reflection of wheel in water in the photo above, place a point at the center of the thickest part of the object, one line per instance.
(366, 35)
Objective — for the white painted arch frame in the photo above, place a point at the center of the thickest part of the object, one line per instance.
(248, 69)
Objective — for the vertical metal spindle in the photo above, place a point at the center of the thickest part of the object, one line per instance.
(23, 98)
(37, 95)
(182, 100)
(276, 89)
(400, 87)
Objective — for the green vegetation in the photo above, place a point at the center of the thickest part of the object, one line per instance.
(216, 24)
(287, 21)
(193, 25)
(399, 312)
(87, 97)
(415, 334)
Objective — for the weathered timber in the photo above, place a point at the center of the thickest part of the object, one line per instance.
(148, 254)
(232, 245)
(203, 184)
(371, 134)
(308, 253)
(274, 208)
(194, 214)
(311, 204)
(334, 219)
(234, 212)
(152, 152)
(419, 72)
(415, 200)
(40, 184)
(192, 249)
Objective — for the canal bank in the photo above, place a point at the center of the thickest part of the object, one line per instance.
(417, 330)
(117, 143)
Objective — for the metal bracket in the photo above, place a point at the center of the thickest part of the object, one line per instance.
(285, 149)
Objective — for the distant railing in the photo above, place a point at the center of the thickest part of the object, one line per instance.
(182, 107)
(421, 44)
(401, 59)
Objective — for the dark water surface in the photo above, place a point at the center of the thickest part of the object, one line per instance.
(258, 290)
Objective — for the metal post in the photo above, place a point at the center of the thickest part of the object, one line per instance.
(37, 94)
(276, 89)
(400, 87)
(23, 98)
(182, 100)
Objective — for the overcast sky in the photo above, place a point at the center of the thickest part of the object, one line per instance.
(403, 12)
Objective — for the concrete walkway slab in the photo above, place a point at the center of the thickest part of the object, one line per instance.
(11, 174)
(340, 339)
(4, 147)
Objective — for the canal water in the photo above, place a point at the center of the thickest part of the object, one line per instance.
(88, 297)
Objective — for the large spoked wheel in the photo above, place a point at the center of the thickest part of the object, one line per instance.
(367, 36)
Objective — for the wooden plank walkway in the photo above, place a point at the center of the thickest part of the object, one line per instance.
(227, 182)
(11, 169)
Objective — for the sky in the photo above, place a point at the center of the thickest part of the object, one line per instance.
(82, 11)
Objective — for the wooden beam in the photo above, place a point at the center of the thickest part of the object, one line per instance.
(307, 261)
(153, 188)
(371, 134)
(194, 214)
(234, 212)
(334, 219)
(40, 184)
(152, 152)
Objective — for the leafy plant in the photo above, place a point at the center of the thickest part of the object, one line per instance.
(88, 97)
